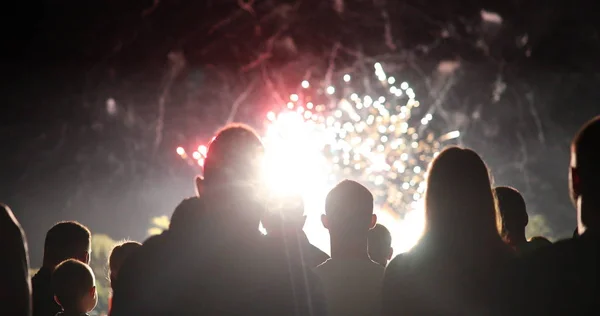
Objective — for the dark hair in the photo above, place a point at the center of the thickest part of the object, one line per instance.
(349, 205)
(380, 238)
(71, 281)
(66, 240)
(118, 255)
(585, 156)
(460, 207)
(512, 210)
(233, 154)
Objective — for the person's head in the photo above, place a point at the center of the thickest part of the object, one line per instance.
(15, 286)
(349, 211)
(234, 158)
(233, 181)
(117, 257)
(67, 240)
(514, 214)
(188, 215)
(380, 244)
(285, 215)
(584, 175)
(74, 286)
(460, 206)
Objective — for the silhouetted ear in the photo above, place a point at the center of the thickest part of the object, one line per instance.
(373, 221)
(199, 185)
(93, 292)
(86, 258)
(575, 181)
(56, 300)
(303, 221)
(324, 221)
(391, 253)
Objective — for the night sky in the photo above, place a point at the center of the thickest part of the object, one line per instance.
(526, 78)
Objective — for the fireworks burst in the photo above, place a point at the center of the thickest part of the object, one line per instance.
(368, 132)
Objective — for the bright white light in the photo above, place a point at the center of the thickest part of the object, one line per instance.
(405, 232)
(196, 155)
(305, 84)
(180, 151)
(404, 85)
(391, 80)
(347, 78)
(202, 150)
(330, 90)
(294, 97)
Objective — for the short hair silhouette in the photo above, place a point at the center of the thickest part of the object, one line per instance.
(233, 154)
(585, 169)
(348, 206)
(118, 255)
(459, 202)
(66, 240)
(513, 212)
(380, 244)
(72, 280)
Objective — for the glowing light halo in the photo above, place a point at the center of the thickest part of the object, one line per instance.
(326, 133)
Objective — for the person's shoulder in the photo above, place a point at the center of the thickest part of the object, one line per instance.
(398, 262)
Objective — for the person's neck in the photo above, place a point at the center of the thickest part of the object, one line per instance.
(349, 248)
(588, 215)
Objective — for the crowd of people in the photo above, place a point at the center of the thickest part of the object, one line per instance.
(473, 258)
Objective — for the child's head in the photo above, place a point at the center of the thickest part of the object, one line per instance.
(74, 286)
(118, 256)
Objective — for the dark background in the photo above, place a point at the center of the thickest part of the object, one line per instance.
(177, 70)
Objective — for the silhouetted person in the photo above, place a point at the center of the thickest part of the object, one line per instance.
(351, 280)
(283, 223)
(222, 266)
(116, 259)
(65, 240)
(188, 216)
(380, 245)
(15, 286)
(453, 270)
(566, 276)
(514, 220)
(74, 288)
